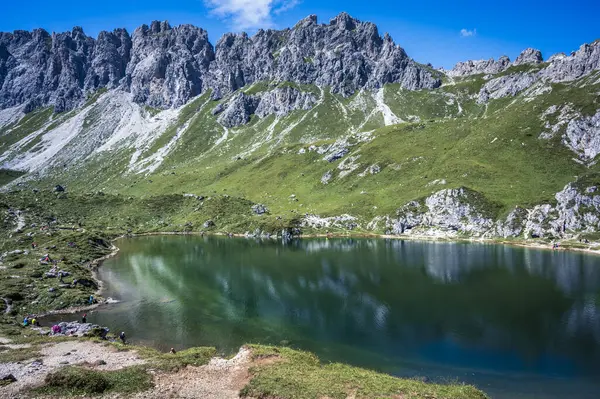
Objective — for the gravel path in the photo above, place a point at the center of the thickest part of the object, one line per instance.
(32, 372)
(219, 379)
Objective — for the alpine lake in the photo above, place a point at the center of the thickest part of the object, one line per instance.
(516, 322)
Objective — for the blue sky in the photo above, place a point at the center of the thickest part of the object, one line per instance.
(441, 33)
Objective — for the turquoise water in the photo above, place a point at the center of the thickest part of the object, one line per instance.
(516, 322)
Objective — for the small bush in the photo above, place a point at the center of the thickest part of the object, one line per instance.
(75, 379)
(83, 381)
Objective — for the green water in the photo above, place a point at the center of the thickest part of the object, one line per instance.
(516, 322)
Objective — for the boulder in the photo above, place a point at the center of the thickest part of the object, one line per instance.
(259, 209)
(8, 378)
(208, 224)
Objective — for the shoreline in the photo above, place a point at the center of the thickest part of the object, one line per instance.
(96, 263)
(474, 240)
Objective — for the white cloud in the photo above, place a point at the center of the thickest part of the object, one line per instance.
(249, 14)
(468, 33)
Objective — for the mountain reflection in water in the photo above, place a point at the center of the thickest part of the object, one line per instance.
(483, 313)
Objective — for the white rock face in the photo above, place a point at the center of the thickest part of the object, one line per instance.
(560, 68)
(452, 212)
(583, 136)
(344, 221)
(282, 101)
(279, 102)
(529, 56)
(471, 67)
(580, 63)
(165, 66)
(505, 86)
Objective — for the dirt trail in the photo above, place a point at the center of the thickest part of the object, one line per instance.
(220, 379)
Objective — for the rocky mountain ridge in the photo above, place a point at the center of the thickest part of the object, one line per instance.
(326, 125)
(164, 66)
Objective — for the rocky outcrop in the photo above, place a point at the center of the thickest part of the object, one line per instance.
(578, 64)
(450, 211)
(282, 101)
(110, 57)
(164, 66)
(238, 110)
(529, 56)
(504, 86)
(560, 68)
(42, 69)
(471, 67)
(576, 210)
(168, 65)
(345, 221)
(345, 54)
(326, 177)
(259, 209)
(582, 136)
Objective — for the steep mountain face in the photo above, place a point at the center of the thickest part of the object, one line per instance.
(345, 55)
(322, 126)
(164, 66)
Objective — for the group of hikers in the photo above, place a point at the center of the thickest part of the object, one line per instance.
(31, 321)
(55, 329)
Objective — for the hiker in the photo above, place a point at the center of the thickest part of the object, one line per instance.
(33, 245)
(34, 321)
(26, 321)
(91, 300)
(172, 351)
(122, 336)
(84, 318)
(60, 277)
(55, 329)
(103, 332)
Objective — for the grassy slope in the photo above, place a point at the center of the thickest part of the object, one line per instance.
(494, 150)
(498, 155)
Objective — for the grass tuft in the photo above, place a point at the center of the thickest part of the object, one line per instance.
(301, 375)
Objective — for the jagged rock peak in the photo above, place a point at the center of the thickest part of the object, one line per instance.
(165, 66)
(344, 21)
(529, 56)
(473, 67)
(310, 20)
